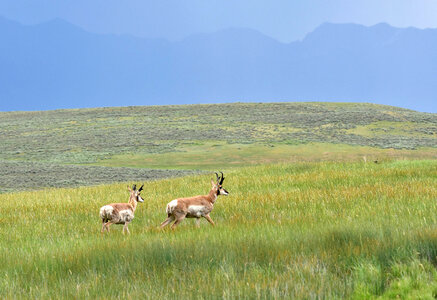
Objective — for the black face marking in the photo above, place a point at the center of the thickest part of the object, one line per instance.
(138, 197)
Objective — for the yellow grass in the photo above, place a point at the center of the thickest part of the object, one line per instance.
(303, 230)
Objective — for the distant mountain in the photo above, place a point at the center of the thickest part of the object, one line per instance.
(58, 65)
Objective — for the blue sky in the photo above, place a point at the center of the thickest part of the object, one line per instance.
(176, 19)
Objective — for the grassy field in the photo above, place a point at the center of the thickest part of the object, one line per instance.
(201, 137)
(291, 230)
(219, 155)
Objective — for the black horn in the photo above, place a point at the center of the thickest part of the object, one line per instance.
(217, 177)
(223, 178)
(141, 188)
(134, 187)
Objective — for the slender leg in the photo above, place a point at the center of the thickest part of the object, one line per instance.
(103, 226)
(125, 228)
(108, 224)
(197, 222)
(178, 220)
(166, 222)
(208, 218)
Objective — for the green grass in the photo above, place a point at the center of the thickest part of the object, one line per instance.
(301, 230)
(88, 135)
(309, 216)
(203, 137)
(210, 155)
(405, 128)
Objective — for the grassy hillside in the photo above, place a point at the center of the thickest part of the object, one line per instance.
(78, 136)
(205, 137)
(303, 230)
(17, 176)
(219, 155)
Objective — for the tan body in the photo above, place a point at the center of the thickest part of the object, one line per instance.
(193, 207)
(120, 213)
(117, 213)
(185, 206)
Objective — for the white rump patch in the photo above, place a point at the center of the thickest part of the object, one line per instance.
(106, 211)
(171, 206)
(196, 210)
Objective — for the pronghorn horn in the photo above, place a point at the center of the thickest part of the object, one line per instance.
(141, 188)
(223, 178)
(134, 187)
(218, 178)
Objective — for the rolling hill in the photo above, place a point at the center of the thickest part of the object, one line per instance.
(94, 146)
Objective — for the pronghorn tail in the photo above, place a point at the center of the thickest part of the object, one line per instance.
(171, 206)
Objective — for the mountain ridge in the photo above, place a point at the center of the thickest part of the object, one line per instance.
(59, 65)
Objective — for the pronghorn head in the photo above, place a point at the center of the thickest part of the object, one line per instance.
(135, 194)
(217, 186)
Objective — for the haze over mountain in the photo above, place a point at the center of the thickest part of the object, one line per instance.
(58, 65)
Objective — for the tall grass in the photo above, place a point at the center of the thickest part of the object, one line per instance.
(312, 230)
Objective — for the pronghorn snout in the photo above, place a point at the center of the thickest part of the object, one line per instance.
(139, 199)
(224, 192)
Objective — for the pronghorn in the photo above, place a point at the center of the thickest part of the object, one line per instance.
(121, 213)
(195, 207)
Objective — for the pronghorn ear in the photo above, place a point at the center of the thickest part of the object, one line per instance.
(129, 189)
(212, 183)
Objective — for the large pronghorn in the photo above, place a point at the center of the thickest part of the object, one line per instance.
(121, 213)
(195, 207)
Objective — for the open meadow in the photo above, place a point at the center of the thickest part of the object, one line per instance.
(327, 200)
(291, 230)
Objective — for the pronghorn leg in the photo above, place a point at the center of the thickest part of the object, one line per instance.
(108, 224)
(125, 228)
(166, 222)
(207, 217)
(178, 220)
(197, 222)
(103, 226)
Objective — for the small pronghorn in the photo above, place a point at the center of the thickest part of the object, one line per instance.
(121, 213)
(195, 207)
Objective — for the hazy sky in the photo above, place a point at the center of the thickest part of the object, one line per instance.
(175, 19)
